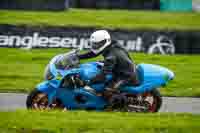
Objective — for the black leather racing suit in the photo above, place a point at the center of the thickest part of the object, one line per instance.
(116, 62)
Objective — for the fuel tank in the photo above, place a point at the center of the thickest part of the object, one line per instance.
(90, 70)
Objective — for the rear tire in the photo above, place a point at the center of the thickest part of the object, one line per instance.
(149, 102)
(157, 100)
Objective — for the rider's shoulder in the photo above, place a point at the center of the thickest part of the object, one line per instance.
(115, 45)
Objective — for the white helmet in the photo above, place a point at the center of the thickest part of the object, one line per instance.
(99, 40)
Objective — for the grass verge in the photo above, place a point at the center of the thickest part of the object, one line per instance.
(96, 122)
(21, 70)
(123, 19)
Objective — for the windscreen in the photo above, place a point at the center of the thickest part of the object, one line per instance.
(67, 61)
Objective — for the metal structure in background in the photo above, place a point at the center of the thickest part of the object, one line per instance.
(149, 41)
(54, 5)
(116, 4)
(65, 4)
(164, 5)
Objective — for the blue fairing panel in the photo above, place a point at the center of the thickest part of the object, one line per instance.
(98, 87)
(68, 97)
(151, 77)
(69, 72)
(154, 73)
(89, 70)
(46, 88)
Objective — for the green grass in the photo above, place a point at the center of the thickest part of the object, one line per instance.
(97, 122)
(21, 70)
(105, 19)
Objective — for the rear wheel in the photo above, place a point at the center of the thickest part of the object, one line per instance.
(147, 102)
(153, 100)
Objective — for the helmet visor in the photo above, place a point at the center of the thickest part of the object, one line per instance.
(98, 45)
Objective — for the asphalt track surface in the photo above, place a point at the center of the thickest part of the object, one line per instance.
(13, 101)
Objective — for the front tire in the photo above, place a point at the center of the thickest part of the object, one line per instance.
(37, 100)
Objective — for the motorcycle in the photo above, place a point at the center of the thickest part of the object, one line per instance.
(64, 88)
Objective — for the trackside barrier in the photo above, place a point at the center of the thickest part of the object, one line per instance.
(148, 41)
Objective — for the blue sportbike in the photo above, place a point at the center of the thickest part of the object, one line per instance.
(64, 88)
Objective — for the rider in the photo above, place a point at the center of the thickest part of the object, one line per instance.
(116, 61)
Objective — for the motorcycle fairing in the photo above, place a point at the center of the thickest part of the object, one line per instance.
(151, 77)
(80, 99)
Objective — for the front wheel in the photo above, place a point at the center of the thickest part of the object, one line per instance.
(37, 100)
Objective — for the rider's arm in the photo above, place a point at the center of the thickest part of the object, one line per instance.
(87, 55)
(109, 63)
